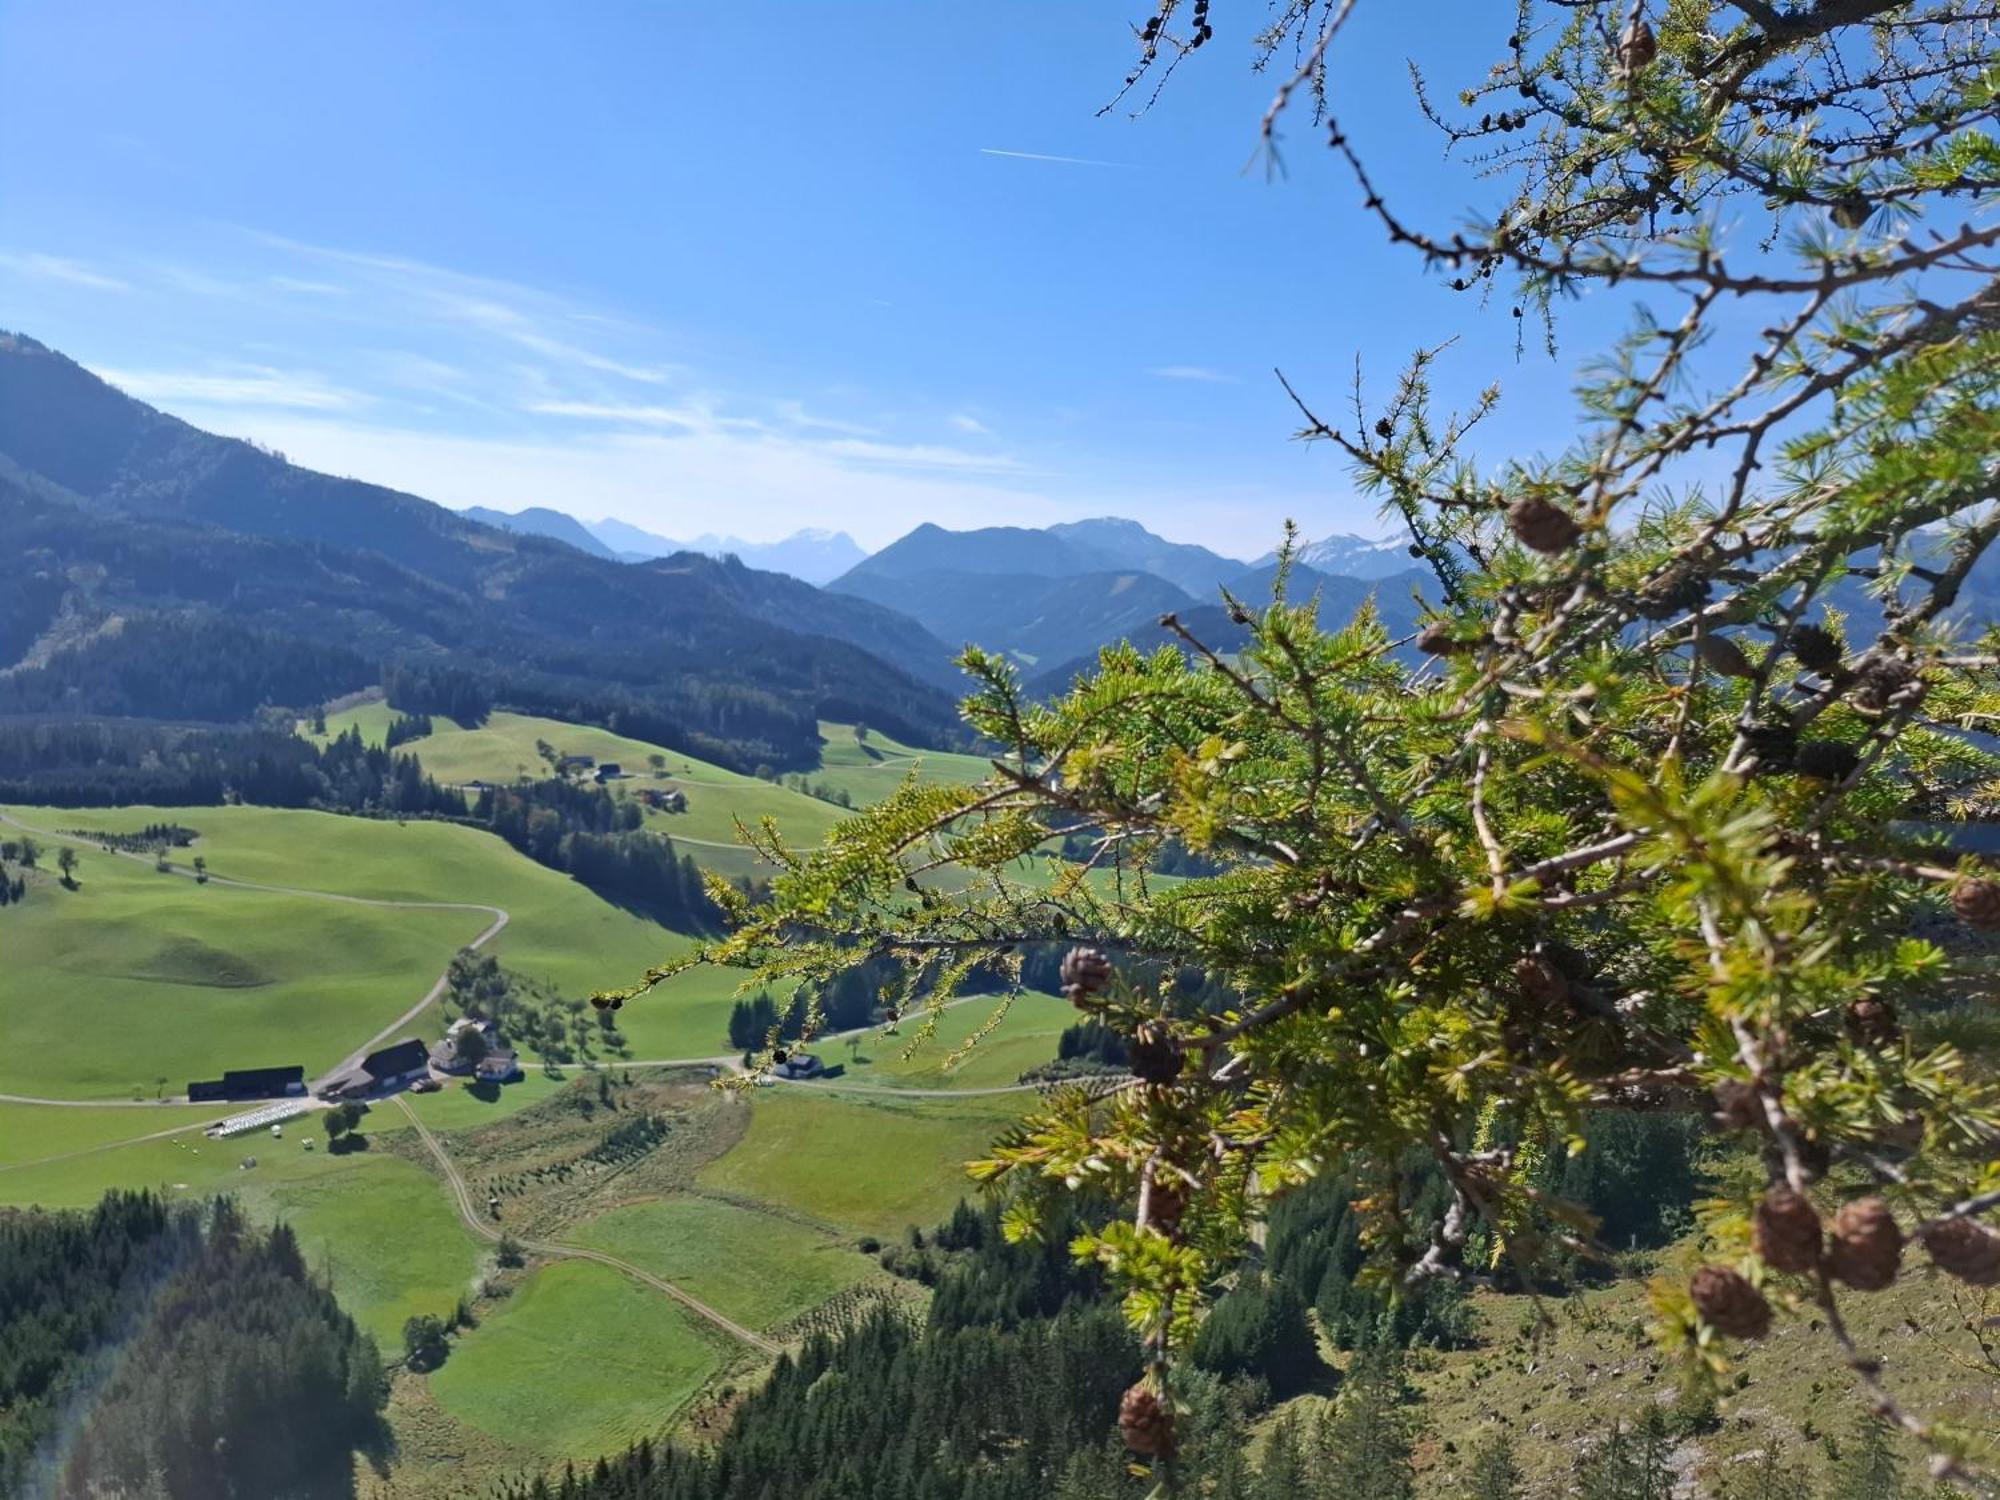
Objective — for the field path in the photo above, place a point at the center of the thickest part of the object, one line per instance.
(493, 930)
(469, 1212)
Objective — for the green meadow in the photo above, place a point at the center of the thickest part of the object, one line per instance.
(862, 1164)
(580, 1360)
(381, 1226)
(759, 1268)
(559, 931)
(868, 770)
(137, 982)
(1024, 1035)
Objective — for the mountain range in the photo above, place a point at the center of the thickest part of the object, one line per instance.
(134, 534)
(813, 555)
(130, 530)
(1052, 597)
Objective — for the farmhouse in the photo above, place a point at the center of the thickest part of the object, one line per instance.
(800, 1065)
(490, 1059)
(609, 771)
(380, 1072)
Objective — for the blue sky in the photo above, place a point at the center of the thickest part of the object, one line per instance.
(736, 268)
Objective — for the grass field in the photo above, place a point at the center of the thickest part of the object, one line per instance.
(560, 932)
(505, 748)
(869, 770)
(385, 1232)
(35, 1132)
(372, 719)
(139, 977)
(1025, 1036)
(580, 1361)
(757, 1268)
(380, 1225)
(866, 1165)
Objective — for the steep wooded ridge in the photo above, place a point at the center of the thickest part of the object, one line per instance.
(127, 524)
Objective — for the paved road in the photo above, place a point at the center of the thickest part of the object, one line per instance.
(493, 930)
(482, 1226)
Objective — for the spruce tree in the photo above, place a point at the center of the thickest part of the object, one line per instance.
(1869, 1467)
(1493, 1474)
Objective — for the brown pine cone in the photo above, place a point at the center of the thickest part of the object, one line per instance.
(1542, 525)
(1816, 649)
(1882, 683)
(1774, 747)
(1961, 1248)
(1826, 760)
(1866, 1246)
(1977, 903)
(1737, 1106)
(1637, 47)
(1168, 1203)
(1436, 639)
(1155, 1058)
(1729, 1304)
(1871, 1022)
(1785, 1231)
(1723, 656)
(1146, 1422)
(1542, 984)
(1085, 972)
(1671, 594)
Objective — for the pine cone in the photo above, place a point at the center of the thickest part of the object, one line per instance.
(1737, 1106)
(1637, 47)
(1816, 649)
(1155, 1058)
(1146, 1422)
(1436, 639)
(1729, 1304)
(1671, 594)
(1866, 1246)
(1882, 683)
(1775, 747)
(1085, 972)
(1543, 985)
(1961, 1248)
(1723, 656)
(1785, 1231)
(1871, 1022)
(1852, 210)
(1977, 903)
(1542, 525)
(1826, 760)
(1169, 1200)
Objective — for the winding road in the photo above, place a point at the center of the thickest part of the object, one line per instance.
(468, 1211)
(494, 929)
(461, 1194)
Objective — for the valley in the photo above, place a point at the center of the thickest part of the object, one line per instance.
(306, 936)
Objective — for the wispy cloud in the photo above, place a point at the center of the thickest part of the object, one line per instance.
(919, 456)
(1194, 372)
(541, 322)
(1067, 161)
(307, 287)
(794, 412)
(966, 422)
(249, 386)
(687, 418)
(60, 268)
